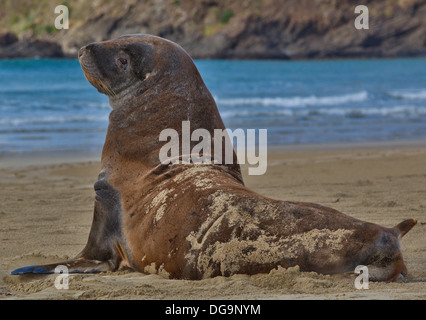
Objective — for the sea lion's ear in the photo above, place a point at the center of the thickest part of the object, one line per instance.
(142, 59)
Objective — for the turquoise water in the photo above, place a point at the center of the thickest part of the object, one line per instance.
(48, 107)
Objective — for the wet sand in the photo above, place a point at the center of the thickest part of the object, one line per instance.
(46, 208)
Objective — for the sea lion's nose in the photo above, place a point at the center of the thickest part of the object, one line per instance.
(86, 48)
(80, 52)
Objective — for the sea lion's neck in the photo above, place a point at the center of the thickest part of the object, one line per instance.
(134, 129)
(124, 98)
(160, 102)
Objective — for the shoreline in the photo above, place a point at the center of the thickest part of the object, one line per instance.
(350, 146)
(50, 158)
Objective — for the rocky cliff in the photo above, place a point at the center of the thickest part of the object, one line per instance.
(234, 29)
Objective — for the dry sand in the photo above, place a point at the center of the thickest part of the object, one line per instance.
(46, 208)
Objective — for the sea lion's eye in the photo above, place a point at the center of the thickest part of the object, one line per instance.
(123, 61)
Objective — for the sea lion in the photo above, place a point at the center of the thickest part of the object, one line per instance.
(191, 220)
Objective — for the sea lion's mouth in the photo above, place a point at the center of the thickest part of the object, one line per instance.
(99, 84)
(91, 73)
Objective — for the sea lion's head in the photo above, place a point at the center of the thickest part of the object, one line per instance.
(126, 67)
(152, 84)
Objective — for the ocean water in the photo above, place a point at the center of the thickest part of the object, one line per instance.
(48, 107)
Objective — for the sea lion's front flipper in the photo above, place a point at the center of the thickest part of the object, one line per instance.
(105, 248)
(73, 266)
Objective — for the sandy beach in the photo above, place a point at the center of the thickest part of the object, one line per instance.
(46, 207)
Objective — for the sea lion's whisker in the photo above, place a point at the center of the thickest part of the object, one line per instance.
(110, 90)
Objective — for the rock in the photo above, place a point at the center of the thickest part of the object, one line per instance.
(7, 38)
(246, 29)
(12, 47)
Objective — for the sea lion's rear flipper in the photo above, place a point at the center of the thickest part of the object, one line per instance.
(405, 226)
(105, 248)
(73, 266)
